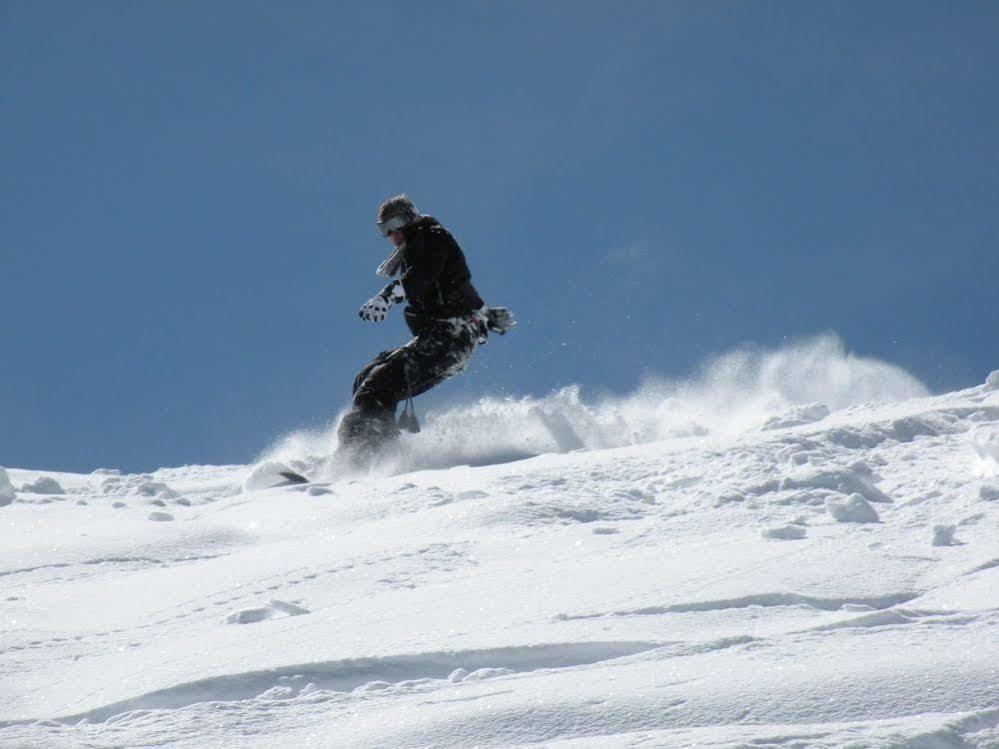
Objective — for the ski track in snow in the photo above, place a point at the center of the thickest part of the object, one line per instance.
(705, 589)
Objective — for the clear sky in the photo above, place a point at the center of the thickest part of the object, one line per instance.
(188, 189)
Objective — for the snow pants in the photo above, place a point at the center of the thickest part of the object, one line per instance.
(440, 351)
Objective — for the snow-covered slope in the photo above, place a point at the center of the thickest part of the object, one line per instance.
(823, 575)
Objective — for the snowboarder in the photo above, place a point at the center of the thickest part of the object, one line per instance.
(445, 314)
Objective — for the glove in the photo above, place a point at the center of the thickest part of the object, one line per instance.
(376, 308)
(499, 319)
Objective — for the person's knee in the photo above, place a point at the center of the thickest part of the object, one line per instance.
(359, 380)
(373, 402)
(369, 369)
(385, 384)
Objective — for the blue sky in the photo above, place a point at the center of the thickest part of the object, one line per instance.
(187, 193)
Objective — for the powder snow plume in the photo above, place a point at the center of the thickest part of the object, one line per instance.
(744, 389)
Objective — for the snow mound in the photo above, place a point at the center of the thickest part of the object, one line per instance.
(992, 381)
(43, 485)
(857, 478)
(7, 494)
(114, 484)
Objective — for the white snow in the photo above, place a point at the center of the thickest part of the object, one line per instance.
(631, 582)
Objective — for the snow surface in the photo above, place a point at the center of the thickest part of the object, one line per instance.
(636, 572)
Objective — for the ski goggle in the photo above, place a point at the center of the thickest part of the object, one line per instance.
(392, 224)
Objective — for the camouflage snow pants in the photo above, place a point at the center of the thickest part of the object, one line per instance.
(440, 351)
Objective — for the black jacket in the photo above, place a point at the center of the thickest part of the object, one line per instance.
(435, 275)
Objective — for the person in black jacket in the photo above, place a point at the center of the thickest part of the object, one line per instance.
(444, 312)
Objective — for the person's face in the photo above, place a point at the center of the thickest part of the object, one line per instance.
(396, 237)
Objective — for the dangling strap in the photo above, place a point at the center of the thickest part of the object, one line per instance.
(408, 420)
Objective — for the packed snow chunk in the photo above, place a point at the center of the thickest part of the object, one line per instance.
(992, 381)
(160, 516)
(268, 475)
(989, 492)
(43, 485)
(854, 509)
(797, 416)
(273, 610)
(7, 494)
(985, 441)
(457, 676)
(787, 532)
(943, 535)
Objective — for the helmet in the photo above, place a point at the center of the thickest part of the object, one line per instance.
(396, 213)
